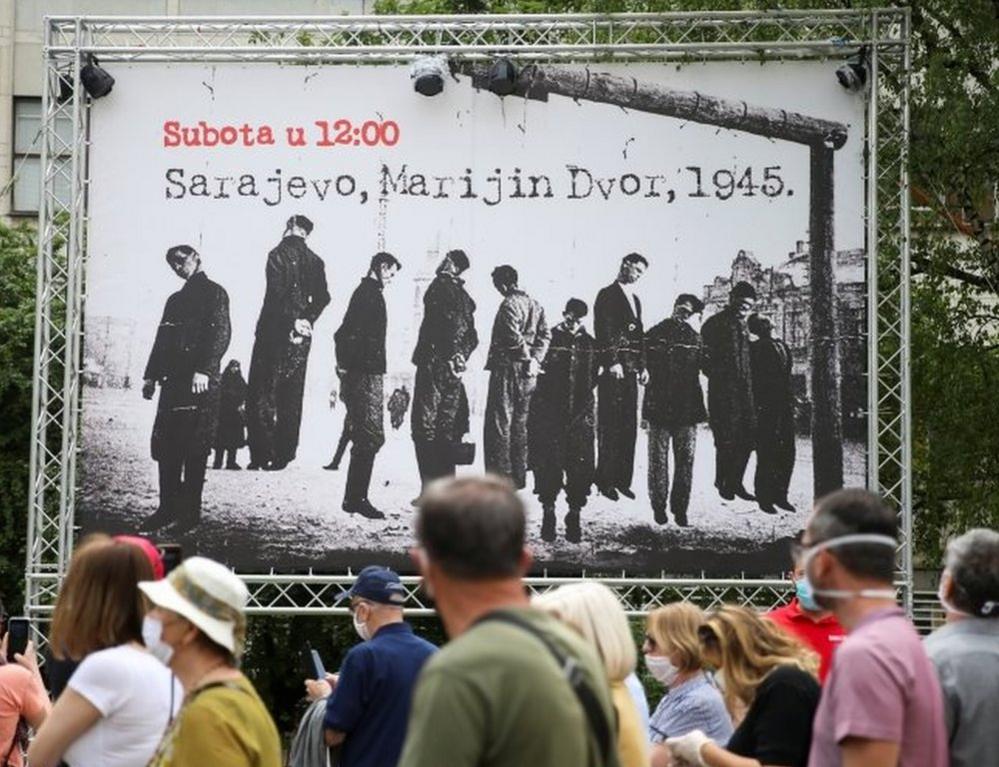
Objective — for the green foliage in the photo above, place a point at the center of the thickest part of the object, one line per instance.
(17, 330)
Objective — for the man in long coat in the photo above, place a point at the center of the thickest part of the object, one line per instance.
(617, 320)
(519, 341)
(447, 338)
(775, 449)
(295, 297)
(673, 406)
(561, 424)
(190, 341)
(731, 408)
(360, 363)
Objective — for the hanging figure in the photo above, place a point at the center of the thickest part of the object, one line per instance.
(774, 398)
(190, 341)
(673, 407)
(295, 297)
(231, 434)
(360, 364)
(731, 412)
(617, 322)
(447, 338)
(560, 429)
(519, 341)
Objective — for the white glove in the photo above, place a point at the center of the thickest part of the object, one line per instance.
(688, 747)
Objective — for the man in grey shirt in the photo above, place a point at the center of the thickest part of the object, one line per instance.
(965, 651)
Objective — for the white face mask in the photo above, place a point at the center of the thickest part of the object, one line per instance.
(152, 636)
(361, 628)
(844, 540)
(662, 670)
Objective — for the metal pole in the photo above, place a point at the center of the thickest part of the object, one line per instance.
(906, 342)
(827, 429)
(873, 250)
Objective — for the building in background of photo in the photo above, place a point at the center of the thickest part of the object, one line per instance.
(22, 72)
(783, 296)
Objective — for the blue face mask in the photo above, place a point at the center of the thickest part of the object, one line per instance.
(803, 590)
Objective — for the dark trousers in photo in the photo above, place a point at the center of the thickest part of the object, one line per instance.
(182, 478)
(617, 429)
(505, 433)
(682, 440)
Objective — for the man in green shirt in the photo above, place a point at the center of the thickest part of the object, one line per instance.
(498, 694)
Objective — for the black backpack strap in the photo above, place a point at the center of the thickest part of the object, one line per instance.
(574, 675)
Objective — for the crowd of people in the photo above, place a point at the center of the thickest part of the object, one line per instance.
(150, 664)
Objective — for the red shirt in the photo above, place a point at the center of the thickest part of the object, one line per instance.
(823, 635)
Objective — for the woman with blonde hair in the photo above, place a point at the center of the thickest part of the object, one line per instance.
(120, 699)
(592, 610)
(692, 700)
(767, 674)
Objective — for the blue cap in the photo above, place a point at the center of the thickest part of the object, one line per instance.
(377, 584)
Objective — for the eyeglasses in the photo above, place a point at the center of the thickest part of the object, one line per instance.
(354, 605)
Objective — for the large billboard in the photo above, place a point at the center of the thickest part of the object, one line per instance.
(310, 290)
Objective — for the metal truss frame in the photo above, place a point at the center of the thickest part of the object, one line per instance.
(675, 37)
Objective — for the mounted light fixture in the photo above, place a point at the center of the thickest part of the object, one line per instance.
(428, 74)
(853, 74)
(502, 77)
(95, 80)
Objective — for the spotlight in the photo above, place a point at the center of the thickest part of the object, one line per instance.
(502, 77)
(853, 74)
(428, 74)
(96, 81)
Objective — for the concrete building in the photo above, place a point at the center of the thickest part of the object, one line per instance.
(783, 296)
(21, 70)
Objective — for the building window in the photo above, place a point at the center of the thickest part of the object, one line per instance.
(27, 156)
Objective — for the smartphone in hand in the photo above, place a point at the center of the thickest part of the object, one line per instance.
(18, 633)
(312, 664)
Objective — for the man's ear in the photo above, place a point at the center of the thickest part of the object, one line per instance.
(526, 560)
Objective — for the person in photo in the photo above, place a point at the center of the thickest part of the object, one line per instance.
(673, 406)
(231, 435)
(519, 341)
(295, 297)
(770, 361)
(360, 365)
(560, 427)
(731, 408)
(184, 362)
(447, 338)
(617, 322)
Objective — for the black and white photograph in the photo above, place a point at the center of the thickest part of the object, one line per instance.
(636, 291)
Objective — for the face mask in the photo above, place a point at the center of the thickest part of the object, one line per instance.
(662, 670)
(361, 628)
(803, 590)
(844, 540)
(152, 636)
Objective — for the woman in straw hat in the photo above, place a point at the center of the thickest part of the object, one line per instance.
(198, 627)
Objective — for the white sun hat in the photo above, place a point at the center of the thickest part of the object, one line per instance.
(209, 595)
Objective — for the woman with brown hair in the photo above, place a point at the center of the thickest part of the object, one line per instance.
(768, 675)
(120, 699)
(673, 657)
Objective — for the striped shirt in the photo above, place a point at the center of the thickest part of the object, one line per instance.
(694, 705)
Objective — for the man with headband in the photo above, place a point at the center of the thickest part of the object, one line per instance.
(881, 705)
